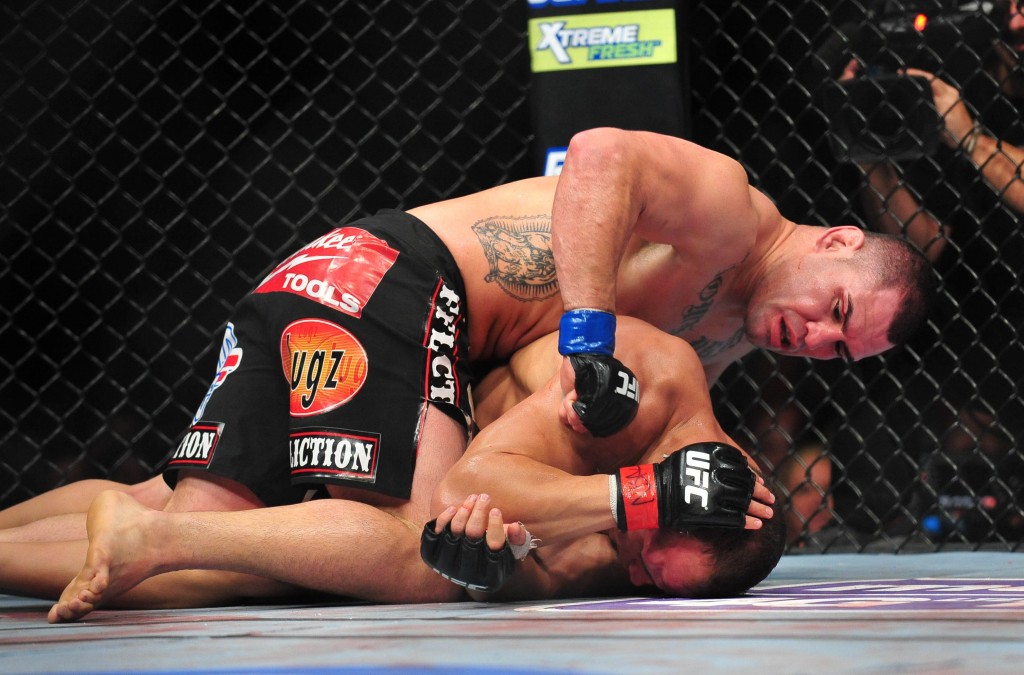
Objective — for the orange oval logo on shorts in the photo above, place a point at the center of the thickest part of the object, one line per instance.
(325, 365)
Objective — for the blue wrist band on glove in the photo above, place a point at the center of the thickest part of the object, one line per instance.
(586, 331)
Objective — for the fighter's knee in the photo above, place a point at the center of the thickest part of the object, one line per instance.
(154, 493)
(207, 492)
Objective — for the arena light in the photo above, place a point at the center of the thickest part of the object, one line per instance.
(920, 21)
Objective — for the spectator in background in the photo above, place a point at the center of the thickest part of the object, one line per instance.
(962, 207)
(783, 405)
(949, 408)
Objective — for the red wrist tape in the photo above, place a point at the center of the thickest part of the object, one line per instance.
(639, 497)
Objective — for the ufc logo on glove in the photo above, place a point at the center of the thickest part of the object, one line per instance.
(628, 387)
(701, 485)
(697, 466)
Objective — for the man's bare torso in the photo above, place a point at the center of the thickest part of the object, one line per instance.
(501, 240)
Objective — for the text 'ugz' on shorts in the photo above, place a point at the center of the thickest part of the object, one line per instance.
(326, 368)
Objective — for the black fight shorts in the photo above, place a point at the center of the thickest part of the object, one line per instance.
(327, 368)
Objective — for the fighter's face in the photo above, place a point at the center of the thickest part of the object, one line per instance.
(821, 306)
(674, 563)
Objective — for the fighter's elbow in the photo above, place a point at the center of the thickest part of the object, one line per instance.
(601, 147)
(731, 172)
(461, 481)
(445, 494)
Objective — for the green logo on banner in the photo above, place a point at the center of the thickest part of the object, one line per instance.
(611, 40)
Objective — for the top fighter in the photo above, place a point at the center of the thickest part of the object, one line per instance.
(368, 332)
(349, 365)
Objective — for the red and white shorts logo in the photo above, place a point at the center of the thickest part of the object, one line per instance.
(340, 270)
(197, 445)
(324, 364)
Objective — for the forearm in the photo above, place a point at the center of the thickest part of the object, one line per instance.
(1000, 164)
(592, 217)
(891, 208)
(554, 505)
(616, 184)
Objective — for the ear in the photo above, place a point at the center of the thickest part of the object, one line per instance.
(847, 238)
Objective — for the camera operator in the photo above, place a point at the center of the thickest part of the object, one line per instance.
(962, 206)
(889, 203)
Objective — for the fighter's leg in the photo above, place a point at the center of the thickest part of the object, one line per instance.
(43, 569)
(379, 559)
(205, 491)
(76, 498)
(124, 537)
(39, 569)
(333, 545)
(72, 498)
(443, 442)
(181, 589)
(339, 546)
(40, 558)
(59, 515)
(130, 545)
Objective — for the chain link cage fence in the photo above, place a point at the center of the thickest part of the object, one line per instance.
(160, 157)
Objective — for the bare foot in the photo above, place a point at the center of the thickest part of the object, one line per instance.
(115, 561)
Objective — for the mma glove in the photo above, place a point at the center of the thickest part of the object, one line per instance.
(700, 485)
(464, 561)
(608, 394)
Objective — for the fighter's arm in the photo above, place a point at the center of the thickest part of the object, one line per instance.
(536, 470)
(586, 566)
(1000, 162)
(616, 183)
(619, 184)
(524, 462)
(539, 471)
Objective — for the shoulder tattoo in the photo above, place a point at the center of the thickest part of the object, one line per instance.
(708, 349)
(519, 257)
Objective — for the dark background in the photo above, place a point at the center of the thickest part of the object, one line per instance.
(159, 157)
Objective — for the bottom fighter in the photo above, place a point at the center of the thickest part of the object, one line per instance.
(657, 504)
(535, 463)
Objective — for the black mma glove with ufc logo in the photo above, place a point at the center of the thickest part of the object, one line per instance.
(701, 485)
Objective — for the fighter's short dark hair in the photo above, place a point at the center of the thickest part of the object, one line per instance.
(741, 558)
(896, 263)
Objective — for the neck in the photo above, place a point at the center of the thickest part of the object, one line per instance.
(778, 246)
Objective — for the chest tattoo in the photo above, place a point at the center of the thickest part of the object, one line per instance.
(706, 298)
(519, 258)
(708, 349)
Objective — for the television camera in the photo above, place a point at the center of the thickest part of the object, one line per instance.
(885, 114)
